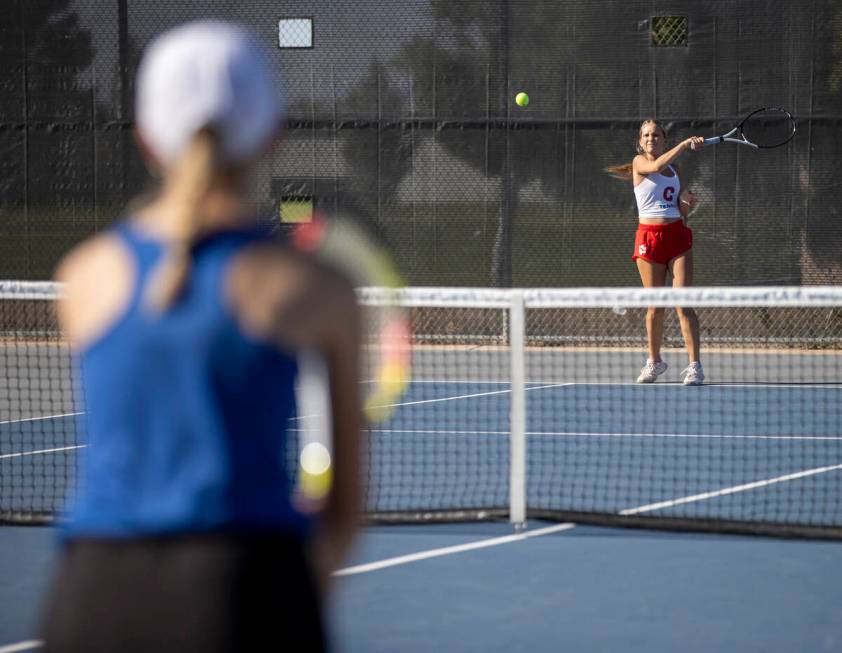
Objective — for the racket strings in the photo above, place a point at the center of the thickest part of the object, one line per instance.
(768, 128)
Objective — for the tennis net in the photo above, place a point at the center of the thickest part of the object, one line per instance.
(523, 405)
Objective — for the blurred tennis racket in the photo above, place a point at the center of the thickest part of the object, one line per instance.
(348, 243)
(761, 129)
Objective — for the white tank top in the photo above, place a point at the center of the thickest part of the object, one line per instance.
(657, 196)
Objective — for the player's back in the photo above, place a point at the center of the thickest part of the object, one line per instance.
(186, 409)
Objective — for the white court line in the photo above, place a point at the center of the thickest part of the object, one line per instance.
(545, 385)
(453, 381)
(689, 436)
(830, 385)
(427, 401)
(38, 419)
(519, 537)
(431, 431)
(21, 454)
(693, 436)
(453, 398)
(21, 646)
(549, 385)
(730, 490)
(470, 396)
(449, 550)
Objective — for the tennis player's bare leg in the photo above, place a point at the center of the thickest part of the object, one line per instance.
(653, 275)
(681, 269)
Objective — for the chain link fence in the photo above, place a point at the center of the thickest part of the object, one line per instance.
(406, 110)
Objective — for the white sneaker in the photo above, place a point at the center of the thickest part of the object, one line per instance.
(693, 375)
(651, 371)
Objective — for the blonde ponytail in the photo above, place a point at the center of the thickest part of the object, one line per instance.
(623, 171)
(189, 182)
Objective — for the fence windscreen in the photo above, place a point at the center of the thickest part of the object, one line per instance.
(407, 111)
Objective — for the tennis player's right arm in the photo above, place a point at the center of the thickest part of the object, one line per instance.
(340, 519)
(300, 304)
(644, 166)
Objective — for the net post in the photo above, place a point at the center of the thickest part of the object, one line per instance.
(517, 411)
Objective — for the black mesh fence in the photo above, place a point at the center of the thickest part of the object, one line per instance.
(407, 110)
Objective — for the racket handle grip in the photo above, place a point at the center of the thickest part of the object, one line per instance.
(713, 140)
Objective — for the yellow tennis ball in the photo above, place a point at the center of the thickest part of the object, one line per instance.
(316, 473)
(521, 99)
(315, 487)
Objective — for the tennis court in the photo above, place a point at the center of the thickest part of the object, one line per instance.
(522, 492)
(486, 586)
(758, 448)
(427, 457)
(594, 429)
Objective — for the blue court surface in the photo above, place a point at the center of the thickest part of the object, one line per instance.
(579, 589)
(742, 450)
(756, 451)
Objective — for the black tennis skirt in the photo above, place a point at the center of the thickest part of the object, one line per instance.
(209, 593)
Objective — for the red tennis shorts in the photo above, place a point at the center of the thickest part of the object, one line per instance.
(661, 243)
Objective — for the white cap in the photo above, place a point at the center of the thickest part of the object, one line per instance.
(207, 74)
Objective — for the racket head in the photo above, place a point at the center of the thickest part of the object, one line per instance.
(768, 127)
(346, 238)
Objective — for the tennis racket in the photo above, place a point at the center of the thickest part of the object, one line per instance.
(348, 242)
(761, 129)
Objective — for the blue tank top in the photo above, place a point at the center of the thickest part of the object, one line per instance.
(186, 416)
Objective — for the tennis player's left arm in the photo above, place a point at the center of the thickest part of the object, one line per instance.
(686, 202)
(340, 324)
